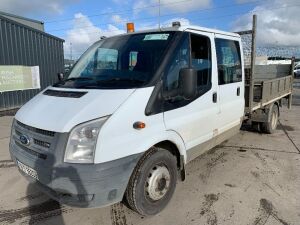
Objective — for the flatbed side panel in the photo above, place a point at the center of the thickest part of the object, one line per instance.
(266, 72)
(272, 89)
(269, 91)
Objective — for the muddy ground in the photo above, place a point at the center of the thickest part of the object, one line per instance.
(251, 179)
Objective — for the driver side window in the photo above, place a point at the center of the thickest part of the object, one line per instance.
(179, 60)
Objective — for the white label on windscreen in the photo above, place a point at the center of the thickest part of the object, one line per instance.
(154, 37)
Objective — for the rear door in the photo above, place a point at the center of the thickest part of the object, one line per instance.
(230, 82)
(194, 120)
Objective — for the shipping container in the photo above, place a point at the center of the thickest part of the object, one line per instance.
(26, 46)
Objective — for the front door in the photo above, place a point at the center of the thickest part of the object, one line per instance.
(194, 120)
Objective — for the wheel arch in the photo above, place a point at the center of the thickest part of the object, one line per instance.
(171, 147)
(175, 145)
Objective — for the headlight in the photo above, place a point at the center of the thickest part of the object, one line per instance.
(82, 142)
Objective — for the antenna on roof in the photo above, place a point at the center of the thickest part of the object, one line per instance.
(158, 14)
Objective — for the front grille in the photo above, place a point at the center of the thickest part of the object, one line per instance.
(38, 142)
(41, 143)
(30, 151)
(37, 130)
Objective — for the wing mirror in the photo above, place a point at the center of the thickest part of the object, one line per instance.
(188, 82)
(60, 76)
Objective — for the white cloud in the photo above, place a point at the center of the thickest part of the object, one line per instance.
(183, 22)
(84, 33)
(117, 19)
(277, 23)
(184, 6)
(35, 7)
(166, 23)
(175, 6)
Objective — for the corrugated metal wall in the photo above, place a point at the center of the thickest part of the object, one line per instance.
(22, 45)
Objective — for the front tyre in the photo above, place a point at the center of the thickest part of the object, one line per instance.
(153, 182)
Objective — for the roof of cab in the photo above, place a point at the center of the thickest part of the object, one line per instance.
(190, 27)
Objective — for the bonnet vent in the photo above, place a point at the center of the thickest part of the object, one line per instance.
(66, 94)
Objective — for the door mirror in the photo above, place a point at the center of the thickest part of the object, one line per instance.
(60, 76)
(188, 82)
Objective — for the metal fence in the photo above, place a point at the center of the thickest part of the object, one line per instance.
(23, 45)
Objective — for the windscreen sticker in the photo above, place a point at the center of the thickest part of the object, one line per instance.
(154, 37)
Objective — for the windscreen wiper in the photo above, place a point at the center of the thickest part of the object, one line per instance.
(79, 78)
(117, 79)
(111, 82)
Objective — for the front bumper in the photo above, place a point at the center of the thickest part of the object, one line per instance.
(80, 185)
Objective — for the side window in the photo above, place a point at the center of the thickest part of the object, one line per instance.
(201, 59)
(179, 60)
(229, 61)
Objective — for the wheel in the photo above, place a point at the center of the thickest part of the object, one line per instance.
(256, 126)
(270, 127)
(153, 182)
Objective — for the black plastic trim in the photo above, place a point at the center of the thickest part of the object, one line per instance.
(66, 94)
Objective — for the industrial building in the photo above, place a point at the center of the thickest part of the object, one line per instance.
(23, 46)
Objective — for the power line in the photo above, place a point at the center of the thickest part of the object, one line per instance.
(166, 15)
(218, 17)
(118, 12)
(235, 14)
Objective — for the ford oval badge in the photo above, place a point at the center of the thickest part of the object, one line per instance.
(24, 139)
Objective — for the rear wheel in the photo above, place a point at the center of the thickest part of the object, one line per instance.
(270, 126)
(153, 182)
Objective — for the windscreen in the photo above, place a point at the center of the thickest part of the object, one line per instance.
(127, 61)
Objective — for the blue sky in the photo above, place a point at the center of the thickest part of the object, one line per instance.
(219, 14)
(82, 22)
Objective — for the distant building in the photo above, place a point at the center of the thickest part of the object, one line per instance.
(39, 25)
(261, 60)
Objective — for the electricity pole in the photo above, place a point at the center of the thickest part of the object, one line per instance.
(71, 55)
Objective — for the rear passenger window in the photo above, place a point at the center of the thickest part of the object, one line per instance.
(201, 59)
(229, 61)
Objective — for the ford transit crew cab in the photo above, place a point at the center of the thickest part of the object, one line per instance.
(135, 109)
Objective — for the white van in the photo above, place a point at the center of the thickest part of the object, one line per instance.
(134, 110)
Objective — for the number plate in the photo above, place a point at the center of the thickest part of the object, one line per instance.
(26, 169)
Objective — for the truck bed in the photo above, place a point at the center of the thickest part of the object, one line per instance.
(270, 83)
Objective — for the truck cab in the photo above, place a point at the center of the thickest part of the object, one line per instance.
(135, 109)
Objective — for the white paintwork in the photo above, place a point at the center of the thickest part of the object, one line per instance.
(118, 138)
(191, 28)
(231, 105)
(196, 121)
(186, 127)
(61, 114)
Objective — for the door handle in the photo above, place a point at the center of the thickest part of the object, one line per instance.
(238, 91)
(214, 97)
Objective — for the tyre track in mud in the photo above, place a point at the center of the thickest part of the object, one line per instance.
(245, 148)
(117, 214)
(265, 211)
(34, 213)
(288, 136)
(7, 164)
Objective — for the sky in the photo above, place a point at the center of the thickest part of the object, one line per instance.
(82, 22)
